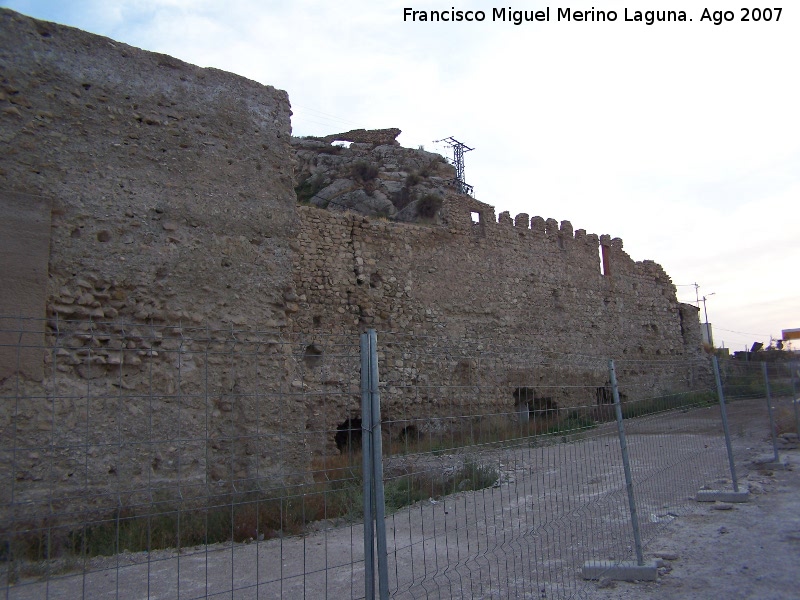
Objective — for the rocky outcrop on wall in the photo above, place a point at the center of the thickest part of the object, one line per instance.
(374, 178)
(375, 137)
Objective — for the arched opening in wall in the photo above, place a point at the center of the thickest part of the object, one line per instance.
(476, 217)
(523, 400)
(605, 404)
(529, 404)
(312, 356)
(348, 436)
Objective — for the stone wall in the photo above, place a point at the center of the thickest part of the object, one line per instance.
(516, 286)
(377, 137)
(179, 264)
(165, 177)
(170, 206)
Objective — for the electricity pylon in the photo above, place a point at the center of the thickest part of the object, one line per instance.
(459, 148)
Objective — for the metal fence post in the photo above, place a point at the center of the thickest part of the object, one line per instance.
(724, 412)
(377, 466)
(771, 416)
(637, 539)
(794, 367)
(366, 457)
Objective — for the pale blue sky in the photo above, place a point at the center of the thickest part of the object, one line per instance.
(681, 138)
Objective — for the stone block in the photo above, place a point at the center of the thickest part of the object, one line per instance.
(721, 496)
(620, 571)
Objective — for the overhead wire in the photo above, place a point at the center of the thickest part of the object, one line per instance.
(324, 114)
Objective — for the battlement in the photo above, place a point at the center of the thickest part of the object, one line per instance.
(467, 212)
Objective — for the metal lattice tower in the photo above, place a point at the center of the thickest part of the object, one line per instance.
(459, 148)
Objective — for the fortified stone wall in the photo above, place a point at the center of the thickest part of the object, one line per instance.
(158, 199)
(163, 195)
(516, 286)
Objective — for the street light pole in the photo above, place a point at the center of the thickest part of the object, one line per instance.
(708, 326)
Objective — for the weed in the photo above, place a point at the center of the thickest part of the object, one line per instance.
(412, 487)
(499, 431)
(784, 420)
(574, 422)
(309, 188)
(412, 179)
(752, 385)
(334, 493)
(428, 206)
(364, 171)
(671, 401)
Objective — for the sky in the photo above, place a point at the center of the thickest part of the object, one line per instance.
(681, 137)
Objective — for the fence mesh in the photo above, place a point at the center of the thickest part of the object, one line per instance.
(161, 461)
(155, 461)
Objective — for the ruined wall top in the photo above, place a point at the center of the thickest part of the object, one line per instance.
(147, 159)
(379, 137)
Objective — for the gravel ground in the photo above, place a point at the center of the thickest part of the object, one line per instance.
(743, 551)
(553, 507)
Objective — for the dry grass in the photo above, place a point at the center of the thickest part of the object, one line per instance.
(784, 420)
(498, 430)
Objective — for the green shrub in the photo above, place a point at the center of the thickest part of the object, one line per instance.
(412, 487)
(309, 188)
(364, 171)
(412, 179)
(573, 422)
(667, 402)
(428, 206)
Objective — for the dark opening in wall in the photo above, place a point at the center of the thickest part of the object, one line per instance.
(375, 280)
(544, 407)
(524, 395)
(348, 436)
(604, 395)
(317, 321)
(313, 356)
(408, 434)
(539, 407)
